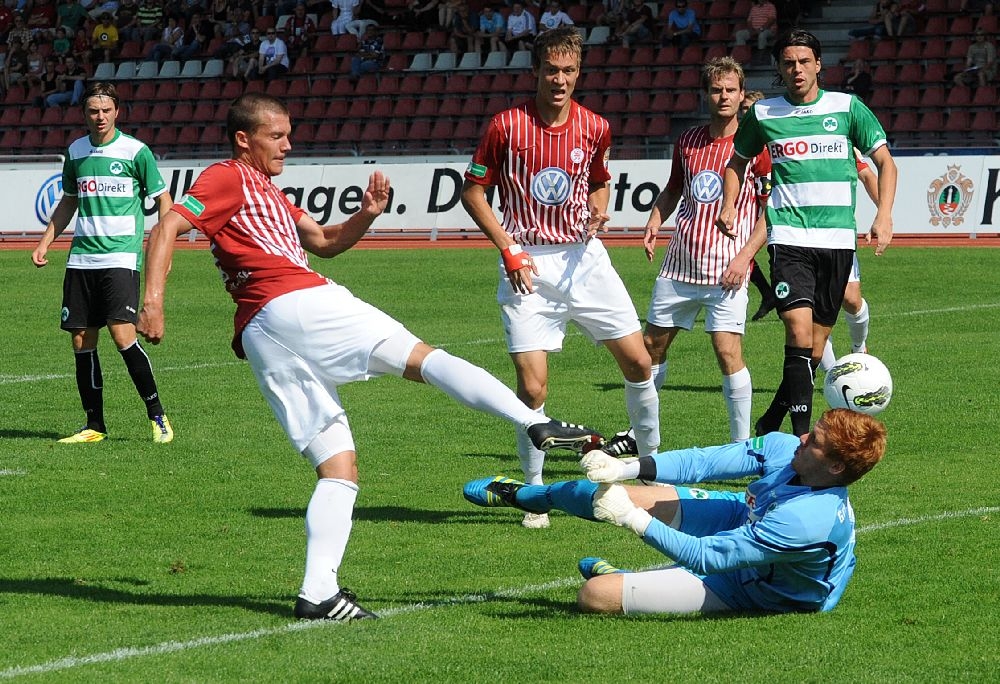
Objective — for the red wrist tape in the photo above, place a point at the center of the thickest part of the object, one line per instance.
(514, 258)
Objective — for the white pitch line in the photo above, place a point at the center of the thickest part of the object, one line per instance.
(165, 647)
(6, 472)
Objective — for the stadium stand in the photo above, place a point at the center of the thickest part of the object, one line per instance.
(429, 101)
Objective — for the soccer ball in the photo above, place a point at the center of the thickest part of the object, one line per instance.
(859, 382)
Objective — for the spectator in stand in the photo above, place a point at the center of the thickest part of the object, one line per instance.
(41, 21)
(127, 21)
(420, 15)
(520, 29)
(898, 21)
(20, 33)
(199, 33)
(859, 80)
(272, 61)
(789, 14)
(49, 83)
(301, 32)
(81, 47)
(682, 26)
(6, 20)
(491, 28)
(223, 16)
(762, 24)
(171, 37)
(62, 45)
(553, 17)
(35, 65)
(243, 64)
(233, 47)
(462, 37)
(343, 14)
(16, 65)
(446, 12)
(71, 15)
(876, 22)
(71, 84)
(637, 26)
(980, 62)
(371, 55)
(150, 19)
(104, 39)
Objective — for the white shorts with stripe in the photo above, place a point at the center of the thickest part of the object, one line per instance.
(675, 304)
(304, 344)
(575, 282)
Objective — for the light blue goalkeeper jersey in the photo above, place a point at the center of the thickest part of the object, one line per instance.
(795, 552)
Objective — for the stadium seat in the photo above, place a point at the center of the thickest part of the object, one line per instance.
(413, 41)
(32, 140)
(931, 122)
(147, 70)
(986, 96)
(231, 90)
(686, 102)
(315, 110)
(381, 109)
(359, 109)
(614, 80)
(436, 40)
(131, 50)
(137, 115)
(936, 72)
(615, 103)
(667, 55)
(957, 123)
(934, 49)
(634, 126)
(105, 71)
(641, 79)
(715, 52)
(990, 23)
(658, 126)
(277, 87)
(395, 130)
(469, 60)
(496, 59)
(422, 61)
(457, 84)
(905, 122)
(51, 116)
(343, 87)
(884, 51)
(390, 84)
(11, 117)
(214, 68)
(911, 49)
(404, 108)
(598, 35)
(884, 75)
(436, 84)
(594, 14)
(189, 136)
(495, 104)
(619, 57)
(211, 90)
(905, 98)
(662, 101)
(985, 121)
(169, 69)
(720, 9)
(521, 59)
(957, 49)
(204, 112)
(191, 69)
(933, 97)
(743, 54)
(962, 25)
(451, 106)
(168, 91)
(911, 73)
(427, 107)
(54, 140)
(689, 78)
(692, 56)
(718, 33)
(958, 96)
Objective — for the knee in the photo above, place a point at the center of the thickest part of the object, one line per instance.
(597, 595)
(532, 391)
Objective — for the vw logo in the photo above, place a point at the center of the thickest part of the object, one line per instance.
(551, 186)
(48, 197)
(706, 186)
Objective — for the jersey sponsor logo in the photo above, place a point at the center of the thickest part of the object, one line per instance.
(551, 186)
(193, 205)
(811, 147)
(48, 197)
(781, 290)
(477, 170)
(949, 196)
(576, 155)
(103, 186)
(706, 186)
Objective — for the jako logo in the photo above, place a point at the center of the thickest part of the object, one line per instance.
(551, 186)
(47, 198)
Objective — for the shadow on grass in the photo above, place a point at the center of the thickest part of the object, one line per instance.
(395, 514)
(701, 389)
(66, 587)
(31, 434)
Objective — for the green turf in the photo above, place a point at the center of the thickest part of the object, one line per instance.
(128, 561)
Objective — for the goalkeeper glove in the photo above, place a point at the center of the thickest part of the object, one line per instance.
(601, 467)
(612, 504)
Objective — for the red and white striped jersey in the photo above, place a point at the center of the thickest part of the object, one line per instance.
(544, 173)
(251, 224)
(698, 253)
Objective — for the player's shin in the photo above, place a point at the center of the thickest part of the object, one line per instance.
(643, 407)
(798, 382)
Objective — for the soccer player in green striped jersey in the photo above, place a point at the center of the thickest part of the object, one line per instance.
(106, 176)
(811, 233)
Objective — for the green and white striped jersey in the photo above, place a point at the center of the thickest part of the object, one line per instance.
(110, 182)
(813, 172)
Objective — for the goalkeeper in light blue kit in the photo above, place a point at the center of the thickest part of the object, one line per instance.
(786, 544)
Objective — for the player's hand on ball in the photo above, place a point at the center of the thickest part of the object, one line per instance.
(612, 504)
(601, 467)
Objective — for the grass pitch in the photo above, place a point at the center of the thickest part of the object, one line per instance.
(129, 561)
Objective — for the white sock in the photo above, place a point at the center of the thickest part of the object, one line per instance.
(328, 527)
(659, 373)
(472, 386)
(532, 459)
(642, 403)
(857, 327)
(829, 358)
(738, 391)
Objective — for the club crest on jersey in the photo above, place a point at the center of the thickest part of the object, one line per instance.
(706, 186)
(116, 167)
(551, 186)
(576, 155)
(830, 124)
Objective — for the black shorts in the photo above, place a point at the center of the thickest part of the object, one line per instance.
(810, 276)
(92, 297)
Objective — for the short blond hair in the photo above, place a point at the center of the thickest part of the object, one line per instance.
(721, 66)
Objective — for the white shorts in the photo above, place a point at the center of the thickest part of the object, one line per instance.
(675, 304)
(575, 282)
(305, 343)
(855, 276)
(670, 590)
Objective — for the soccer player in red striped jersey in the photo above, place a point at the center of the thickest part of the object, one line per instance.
(549, 158)
(703, 268)
(304, 335)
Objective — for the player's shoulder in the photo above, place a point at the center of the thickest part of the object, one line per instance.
(126, 145)
(692, 135)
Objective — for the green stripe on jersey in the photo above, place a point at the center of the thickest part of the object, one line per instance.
(110, 182)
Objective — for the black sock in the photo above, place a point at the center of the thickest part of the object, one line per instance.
(759, 281)
(141, 371)
(798, 382)
(90, 383)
